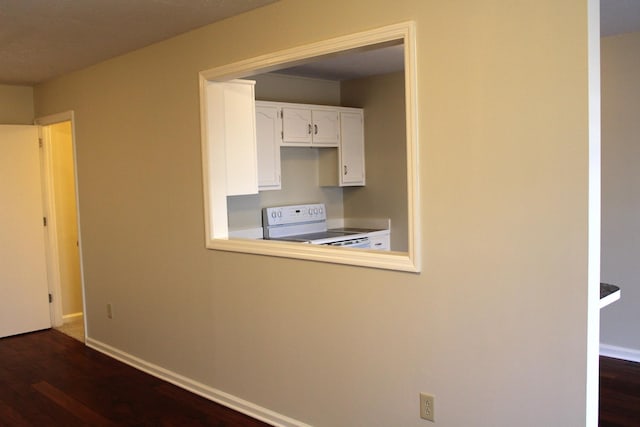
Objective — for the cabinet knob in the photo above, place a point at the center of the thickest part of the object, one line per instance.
(345, 169)
(315, 129)
(309, 129)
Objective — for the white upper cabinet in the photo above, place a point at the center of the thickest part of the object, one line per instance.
(344, 166)
(310, 126)
(351, 151)
(337, 131)
(296, 125)
(231, 133)
(268, 137)
(326, 127)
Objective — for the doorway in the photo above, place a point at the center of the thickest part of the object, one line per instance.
(63, 241)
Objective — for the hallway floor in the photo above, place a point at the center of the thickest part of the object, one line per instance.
(73, 327)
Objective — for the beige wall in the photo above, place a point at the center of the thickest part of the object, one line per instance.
(385, 195)
(16, 105)
(66, 218)
(285, 88)
(620, 183)
(495, 325)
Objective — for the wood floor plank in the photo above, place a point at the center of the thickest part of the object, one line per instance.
(213, 412)
(71, 405)
(10, 417)
(619, 393)
(50, 379)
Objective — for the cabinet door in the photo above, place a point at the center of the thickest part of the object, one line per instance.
(352, 149)
(231, 132)
(326, 127)
(296, 125)
(268, 128)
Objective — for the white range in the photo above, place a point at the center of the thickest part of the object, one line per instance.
(308, 224)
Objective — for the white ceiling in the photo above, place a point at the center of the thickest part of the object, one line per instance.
(41, 39)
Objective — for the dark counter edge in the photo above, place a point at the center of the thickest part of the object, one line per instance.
(606, 289)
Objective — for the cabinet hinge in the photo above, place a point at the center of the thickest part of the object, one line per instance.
(44, 221)
(40, 142)
(50, 298)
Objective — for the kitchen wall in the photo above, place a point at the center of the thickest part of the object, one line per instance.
(385, 195)
(16, 105)
(497, 323)
(620, 196)
(304, 90)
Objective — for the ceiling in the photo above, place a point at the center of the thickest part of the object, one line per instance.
(353, 65)
(42, 39)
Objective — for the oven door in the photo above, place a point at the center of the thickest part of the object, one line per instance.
(360, 242)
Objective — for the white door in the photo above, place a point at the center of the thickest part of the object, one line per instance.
(24, 295)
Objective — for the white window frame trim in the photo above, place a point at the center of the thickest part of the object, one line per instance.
(215, 209)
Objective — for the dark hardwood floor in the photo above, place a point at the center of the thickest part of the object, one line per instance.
(50, 379)
(619, 393)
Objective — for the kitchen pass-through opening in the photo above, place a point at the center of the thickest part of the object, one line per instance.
(222, 196)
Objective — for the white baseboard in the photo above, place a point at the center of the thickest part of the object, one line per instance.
(623, 353)
(218, 396)
(70, 317)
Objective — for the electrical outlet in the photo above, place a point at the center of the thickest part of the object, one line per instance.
(427, 409)
(109, 311)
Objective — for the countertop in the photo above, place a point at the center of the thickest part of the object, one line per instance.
(608, 294)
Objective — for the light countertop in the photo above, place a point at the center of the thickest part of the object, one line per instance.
(608, 294)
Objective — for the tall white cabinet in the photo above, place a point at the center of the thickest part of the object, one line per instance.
(345, 167)
(268, 138)
(351, 152)
(231, 150)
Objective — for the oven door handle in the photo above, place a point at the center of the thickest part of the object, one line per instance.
(361, 242)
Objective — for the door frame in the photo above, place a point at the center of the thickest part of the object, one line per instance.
(53, 260)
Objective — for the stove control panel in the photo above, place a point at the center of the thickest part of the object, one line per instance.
(293, 214)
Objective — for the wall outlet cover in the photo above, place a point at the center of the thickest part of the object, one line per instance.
(427, 409)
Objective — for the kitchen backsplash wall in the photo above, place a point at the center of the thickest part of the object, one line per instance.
(299, 185)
